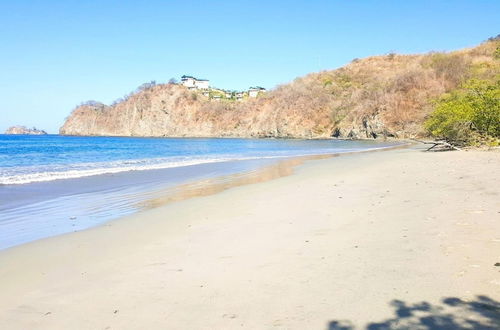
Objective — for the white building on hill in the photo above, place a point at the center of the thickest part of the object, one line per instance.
(254, 91)
(194, 83)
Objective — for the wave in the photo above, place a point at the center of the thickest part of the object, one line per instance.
(46, 173)
(91, 169)
(109, 169)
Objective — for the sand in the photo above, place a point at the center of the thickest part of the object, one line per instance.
(398, 238)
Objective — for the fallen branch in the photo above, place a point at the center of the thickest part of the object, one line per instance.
(441, 144)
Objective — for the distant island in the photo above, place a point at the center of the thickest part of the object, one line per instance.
(23, 130)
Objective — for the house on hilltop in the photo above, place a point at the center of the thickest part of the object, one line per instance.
(194, 83)
(239, 95)
(254, 91)
(216, 93)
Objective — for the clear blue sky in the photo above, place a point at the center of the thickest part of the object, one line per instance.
(56, 54)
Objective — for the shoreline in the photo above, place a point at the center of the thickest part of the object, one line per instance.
(282, 167)
(70, 205)
(120, 165)
(378, 139)
(333, 243)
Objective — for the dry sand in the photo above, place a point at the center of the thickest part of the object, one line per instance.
(397, 239)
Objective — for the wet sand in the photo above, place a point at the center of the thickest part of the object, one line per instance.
(44, 209)
(393, 238)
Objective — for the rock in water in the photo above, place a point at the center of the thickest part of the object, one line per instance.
(23, 130)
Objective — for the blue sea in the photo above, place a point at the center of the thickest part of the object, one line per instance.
(50, 185)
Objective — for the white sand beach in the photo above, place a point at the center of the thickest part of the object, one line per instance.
(397, 238)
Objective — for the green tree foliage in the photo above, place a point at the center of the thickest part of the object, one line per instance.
(469, 113)
(496, 55)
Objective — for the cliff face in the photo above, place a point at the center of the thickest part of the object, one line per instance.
(374, 97)
(24, 130)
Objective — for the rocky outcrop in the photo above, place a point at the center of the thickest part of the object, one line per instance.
(376, 97)
(23, 130)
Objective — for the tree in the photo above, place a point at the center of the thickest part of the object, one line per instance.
(146, 86)
(495, 38)
(92, 103)
(467, 113)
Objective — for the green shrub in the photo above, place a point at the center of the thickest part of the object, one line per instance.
(468, 114)
(496, 54)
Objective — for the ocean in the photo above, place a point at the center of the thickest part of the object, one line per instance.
(51, 184)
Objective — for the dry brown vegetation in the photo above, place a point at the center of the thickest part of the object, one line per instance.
(379, 96)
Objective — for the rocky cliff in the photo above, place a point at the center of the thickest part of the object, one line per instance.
(379, 96)
(24, 130)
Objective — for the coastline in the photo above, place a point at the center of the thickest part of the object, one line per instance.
(74, 197)
(337, 241)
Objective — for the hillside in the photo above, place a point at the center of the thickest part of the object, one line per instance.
(380, 96)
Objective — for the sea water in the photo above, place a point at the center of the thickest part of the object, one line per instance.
(52, 184)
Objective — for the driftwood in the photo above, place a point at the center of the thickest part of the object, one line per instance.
(440, 145)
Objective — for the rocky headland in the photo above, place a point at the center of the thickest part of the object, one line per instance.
(375, 97)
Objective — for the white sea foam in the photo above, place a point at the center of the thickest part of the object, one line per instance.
(24, 175)
(91, 169)
(73, 171)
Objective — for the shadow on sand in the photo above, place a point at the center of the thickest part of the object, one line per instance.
(452, 313)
